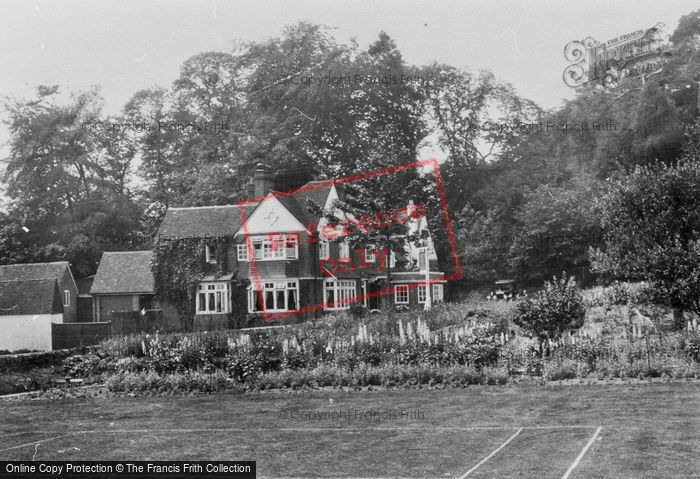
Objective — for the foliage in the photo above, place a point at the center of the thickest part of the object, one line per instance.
(651, 221)
(554, 310)
(179, 265)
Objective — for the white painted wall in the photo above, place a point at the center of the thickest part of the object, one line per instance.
(31, 331)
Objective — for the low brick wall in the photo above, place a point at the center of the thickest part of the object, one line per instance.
(73, 335)
(131, 322)
(27, 361)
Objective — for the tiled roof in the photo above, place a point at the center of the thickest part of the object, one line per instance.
(33, 271)
(26, 297)
(316, 191)
(124, 272)
(201, 221)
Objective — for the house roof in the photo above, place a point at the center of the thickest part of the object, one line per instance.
(122, 272)
(25, 297)
(201, 221)
(33, 271)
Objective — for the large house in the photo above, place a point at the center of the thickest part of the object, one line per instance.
(58, 271)
(287, 265)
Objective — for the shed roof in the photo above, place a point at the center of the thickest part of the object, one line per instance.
(26, 297)
(122, 272)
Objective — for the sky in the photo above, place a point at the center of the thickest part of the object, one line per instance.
(127, 45)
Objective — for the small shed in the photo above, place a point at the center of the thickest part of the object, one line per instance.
(123, 282)
(28, 308)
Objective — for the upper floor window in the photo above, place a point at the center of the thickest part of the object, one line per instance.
(265, 249)
(210, 253)
(370, 254)
(324, 250)
(344, 254)
(66, 298)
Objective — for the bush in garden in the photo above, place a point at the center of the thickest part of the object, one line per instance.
(554, 310)
(557, 370)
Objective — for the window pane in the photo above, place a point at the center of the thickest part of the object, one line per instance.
(330, 297)
(212, 305)
(202, 302)
(292, 300)
(280, 299)
(218, 302)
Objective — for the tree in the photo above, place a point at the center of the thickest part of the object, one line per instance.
(556, 228)
(651, 227)
(66, 183)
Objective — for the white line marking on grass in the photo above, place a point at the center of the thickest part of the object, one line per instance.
(29, 444)
(582, 453)
(316, 429)
(492, 454)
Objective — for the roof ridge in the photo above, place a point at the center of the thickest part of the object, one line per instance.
(43, 263)
(27, 280)
(132, 251)
(201, 207)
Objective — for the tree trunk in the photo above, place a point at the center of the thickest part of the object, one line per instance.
(678, 318)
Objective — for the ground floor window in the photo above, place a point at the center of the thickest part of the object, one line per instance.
(273, 296)
(338, 293)
(401, 294)
(213, 297)
(422, 290)
(438, 293)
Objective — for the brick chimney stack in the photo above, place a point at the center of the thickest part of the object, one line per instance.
(262, 180)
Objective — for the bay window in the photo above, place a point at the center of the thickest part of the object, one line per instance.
(338, 293)
(213, 298)
(274, 296)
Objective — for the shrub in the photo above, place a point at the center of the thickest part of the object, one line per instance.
(554, 310)
(556, 370)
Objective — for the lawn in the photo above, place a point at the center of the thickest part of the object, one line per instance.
(644, 429)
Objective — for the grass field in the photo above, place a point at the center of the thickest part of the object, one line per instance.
(614, 430)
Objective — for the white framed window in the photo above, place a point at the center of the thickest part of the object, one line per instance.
(438, 293)
(274, 296)
(291, 247)
(338, 294)
(242, 252)
(422, 290)
(66, 297)
(324, 250)
(401, 294)
(213, 297)
(265, 249)
(210, 253)
(344, 254)
(370, 254)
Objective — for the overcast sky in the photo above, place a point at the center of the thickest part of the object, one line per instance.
(127, 45)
